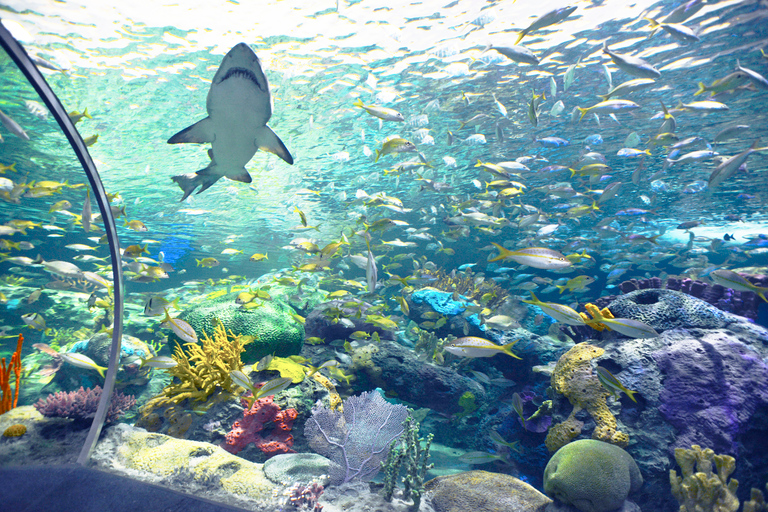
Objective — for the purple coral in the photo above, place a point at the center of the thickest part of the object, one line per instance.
(357, 441)
(306, 497)
(82, 404)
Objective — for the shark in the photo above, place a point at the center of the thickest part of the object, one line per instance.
(239, 106)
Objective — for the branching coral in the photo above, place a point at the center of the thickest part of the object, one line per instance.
(700, 489)
(9, 400)
(574, 378)
(429, 345)
(596, 313)
(203, 368)
(469, 285)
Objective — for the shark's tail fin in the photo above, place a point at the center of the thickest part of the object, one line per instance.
(189, 182)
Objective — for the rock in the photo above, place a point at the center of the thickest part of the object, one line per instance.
(713, 384)
(482, 491)
(292, 468)
(319, 325)
(271, 325)
(591, 475)
(187, 466)
(394, 369)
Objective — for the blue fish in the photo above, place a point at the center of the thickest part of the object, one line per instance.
(552, 142)
(594, 140)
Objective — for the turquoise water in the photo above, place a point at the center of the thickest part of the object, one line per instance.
(143, 74)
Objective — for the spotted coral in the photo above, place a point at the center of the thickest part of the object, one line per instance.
(16, 430)
(574, 378)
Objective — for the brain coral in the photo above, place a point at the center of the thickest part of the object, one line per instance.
(667, 309)
(574, 378)
(271, 325)
(593, 476)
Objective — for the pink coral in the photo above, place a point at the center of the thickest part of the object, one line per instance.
(247, 430)
(82, 404)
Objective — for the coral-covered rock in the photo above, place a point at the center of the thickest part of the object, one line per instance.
(667, 309)
(321, 323)
(82, 404)
(273, 328)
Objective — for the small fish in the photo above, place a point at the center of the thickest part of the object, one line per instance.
(159, 362)
(626, 326)
(612, 384)
(387, 114)
(608, 106)
(394, 145)
(517, 405)
(207, 262)
(156, 305)
(12, 126)
(136, 225)
(60, 205)
(675, 30)
(179, 327)
(90, 141)
(231, 252)
(258, 257)
(516, 53)
(734, 281)
(756, 78)
(576, 283)
(81, 361)
(559, 312)
(34, 320)
(134, 251)
(550, 18)
(634, 66)
(536, 257)
(76, 116)
(472, 346)
(480, 458)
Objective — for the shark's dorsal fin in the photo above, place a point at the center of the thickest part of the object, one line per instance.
(266, 140)
(198, 133)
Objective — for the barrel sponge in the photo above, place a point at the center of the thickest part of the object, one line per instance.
(591, 475)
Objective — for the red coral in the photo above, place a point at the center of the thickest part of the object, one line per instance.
(246, 431)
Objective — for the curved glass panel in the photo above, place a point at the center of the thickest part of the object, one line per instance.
(437, 201)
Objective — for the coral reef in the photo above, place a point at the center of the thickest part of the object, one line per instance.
(699, 489)
(247, 430)
(476, 288)
(428, 345)
(591, 475)
(10, 400)
(324, 321)
(483, 490)
(573, 377)
(82, 404)
(357, 439)
(270, 326)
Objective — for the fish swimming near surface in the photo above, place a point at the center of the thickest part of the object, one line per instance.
(239, 106)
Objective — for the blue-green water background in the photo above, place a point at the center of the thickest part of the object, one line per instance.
(144, 75)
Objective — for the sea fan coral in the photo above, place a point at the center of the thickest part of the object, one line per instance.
(82, 404)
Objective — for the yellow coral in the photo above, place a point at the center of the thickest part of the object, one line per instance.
(16, 430)
(596, 313)
(703, 490)
(574, 378)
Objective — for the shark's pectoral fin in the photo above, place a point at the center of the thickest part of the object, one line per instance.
(266, 140)
(189, 182)
(198, 133)
(242, 176)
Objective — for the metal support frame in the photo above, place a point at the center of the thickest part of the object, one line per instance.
(36, 79)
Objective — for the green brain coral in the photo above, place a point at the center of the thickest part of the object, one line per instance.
(593, 476)
(273, 328)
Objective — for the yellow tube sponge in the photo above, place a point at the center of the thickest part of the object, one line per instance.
(573, 377)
